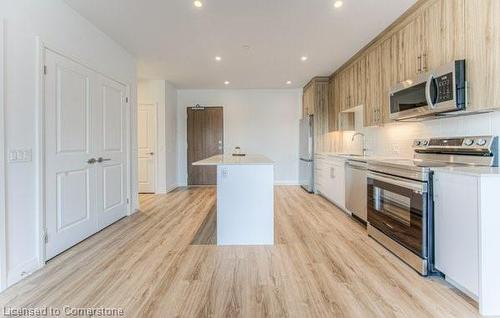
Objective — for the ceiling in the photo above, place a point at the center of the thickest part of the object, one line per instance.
(260, 41)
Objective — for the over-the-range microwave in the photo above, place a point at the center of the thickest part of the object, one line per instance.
(439, 91)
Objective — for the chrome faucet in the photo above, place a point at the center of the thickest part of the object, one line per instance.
(363, 135)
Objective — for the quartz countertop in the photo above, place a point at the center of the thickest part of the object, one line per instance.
(471, 171)
(234, 160)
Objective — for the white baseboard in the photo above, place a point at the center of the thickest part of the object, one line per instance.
(286, 182)
(171, 187)
(22, 271)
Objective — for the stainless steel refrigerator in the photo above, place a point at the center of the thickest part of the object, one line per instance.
(306, 154)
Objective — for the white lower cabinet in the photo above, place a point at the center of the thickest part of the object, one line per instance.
(456, 230)
(330, 178)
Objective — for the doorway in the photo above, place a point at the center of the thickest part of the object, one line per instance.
(147, 144)
(205, 138)
(86, 166)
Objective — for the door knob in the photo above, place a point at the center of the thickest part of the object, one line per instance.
(91, 161)
(101, 159)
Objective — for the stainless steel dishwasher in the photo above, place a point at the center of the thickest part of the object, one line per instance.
(356, 187)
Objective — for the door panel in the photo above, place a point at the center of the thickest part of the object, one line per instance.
(112, 173)
(113, 121)
(146, 127)
(73, 198)
(72, 110)
(205, 139)
(70, 204)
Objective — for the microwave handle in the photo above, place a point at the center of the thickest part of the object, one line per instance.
(428, 92)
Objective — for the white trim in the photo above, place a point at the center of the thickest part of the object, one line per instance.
(40, 145)
(157, 188)
(3, 218)
(22, 270)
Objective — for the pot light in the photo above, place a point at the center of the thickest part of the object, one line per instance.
(288, 82)
(218, 58)
(198, 4)
(303, 58)
(338, 4)
(226, 83)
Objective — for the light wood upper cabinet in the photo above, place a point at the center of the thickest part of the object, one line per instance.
(483, 53)
(444, 33)
(373, 101)
(308, 100)
(410, 49)
(333, 105)
(388, 73)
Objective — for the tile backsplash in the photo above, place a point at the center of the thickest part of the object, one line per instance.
(395, 139)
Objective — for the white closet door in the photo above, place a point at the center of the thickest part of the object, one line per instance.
(69, 144)
(85, 152)
(146, 140)
(112, 160)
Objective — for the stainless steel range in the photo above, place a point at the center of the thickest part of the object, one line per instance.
(400, 199)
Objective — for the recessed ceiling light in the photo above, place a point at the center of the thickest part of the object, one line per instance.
(218, 58)
(303, 58)
(198, 4)
(226, 83)
(288, 82)
(338, 4)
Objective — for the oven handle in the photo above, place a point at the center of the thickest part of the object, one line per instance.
(419, 187)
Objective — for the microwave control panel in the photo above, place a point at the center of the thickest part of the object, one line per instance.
(445, 89)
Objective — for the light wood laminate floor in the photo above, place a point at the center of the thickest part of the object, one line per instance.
(155, 264)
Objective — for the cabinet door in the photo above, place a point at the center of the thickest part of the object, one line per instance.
(373, 87)
(410, 50)
(483, 53)
(333, 106)
(456, 229)
(308, 100)
(359, 87)
(320, 114)
(388, 73)
(444, 33)
(339, 184)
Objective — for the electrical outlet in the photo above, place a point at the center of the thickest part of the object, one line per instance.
(395, 149)
(20, 155)
(225, 172)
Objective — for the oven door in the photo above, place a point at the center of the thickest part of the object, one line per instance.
(398, 208)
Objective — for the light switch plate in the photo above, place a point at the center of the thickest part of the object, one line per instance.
(20, 155)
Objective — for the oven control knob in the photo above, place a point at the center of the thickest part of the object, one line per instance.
(468, 142)
(417, 143)
(481, 142)
(424, 142)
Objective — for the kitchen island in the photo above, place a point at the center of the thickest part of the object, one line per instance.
(245, 199)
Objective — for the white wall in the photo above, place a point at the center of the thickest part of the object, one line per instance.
(62, 29)
(171, 136)
(164, 95)
(259, 121)
(395, 139)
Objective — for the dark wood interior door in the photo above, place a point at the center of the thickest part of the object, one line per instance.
(205, 138)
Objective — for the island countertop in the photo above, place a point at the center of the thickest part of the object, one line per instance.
(229, 159)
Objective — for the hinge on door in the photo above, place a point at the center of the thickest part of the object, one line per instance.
(126, 99)
(45, 236)
(128, 201)
(45, 70)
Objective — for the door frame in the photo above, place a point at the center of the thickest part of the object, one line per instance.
(42, 46)
(156, 163)
(3, 219)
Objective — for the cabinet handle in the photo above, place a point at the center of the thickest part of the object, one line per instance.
(419, 63)
(424, 62)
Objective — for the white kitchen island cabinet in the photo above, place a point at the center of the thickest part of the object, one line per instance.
(245, 199)
(467, 232)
